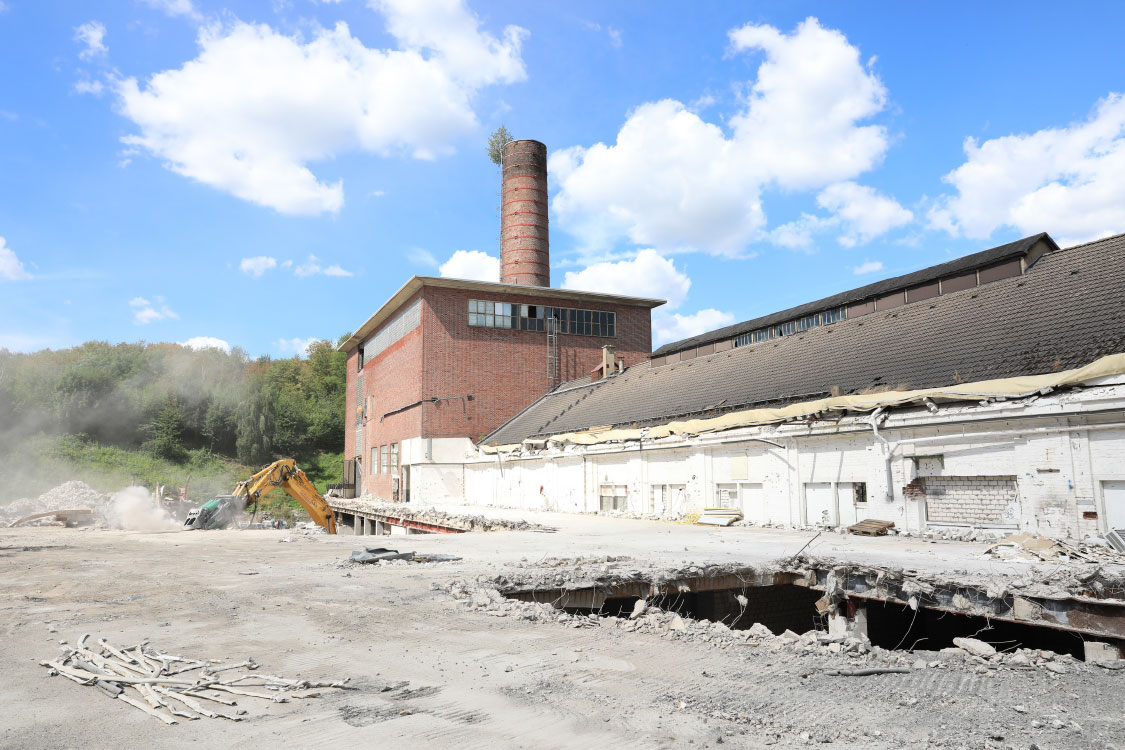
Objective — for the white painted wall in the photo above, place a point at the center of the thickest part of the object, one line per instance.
(1060, 467)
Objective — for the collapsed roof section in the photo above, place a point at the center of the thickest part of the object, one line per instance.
(1062, 314)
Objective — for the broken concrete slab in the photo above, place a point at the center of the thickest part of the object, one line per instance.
(975, 647)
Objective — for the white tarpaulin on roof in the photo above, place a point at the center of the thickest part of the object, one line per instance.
(1019, 387)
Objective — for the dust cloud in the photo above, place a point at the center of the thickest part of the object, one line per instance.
(134, 509)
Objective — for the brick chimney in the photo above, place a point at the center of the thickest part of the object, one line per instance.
(524, 252)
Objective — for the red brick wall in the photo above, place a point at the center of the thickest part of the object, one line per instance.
(503, 370)
(506, 370)
(350, 404)
(391, 381)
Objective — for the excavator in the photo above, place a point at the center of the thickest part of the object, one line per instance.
(221, 512)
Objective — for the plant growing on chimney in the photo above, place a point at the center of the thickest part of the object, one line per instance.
(496, 142)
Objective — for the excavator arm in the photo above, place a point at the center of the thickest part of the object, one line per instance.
(286, 475)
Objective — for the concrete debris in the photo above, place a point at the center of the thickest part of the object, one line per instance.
(72, 495)
(975, 647)
(1029, 546)
(465, 522)
(369, 555)
(150, 681)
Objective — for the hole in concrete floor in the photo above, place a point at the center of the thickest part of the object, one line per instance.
(896, 626)
(784, 607)
(779, 608)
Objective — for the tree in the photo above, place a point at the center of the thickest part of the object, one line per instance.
(166, 432)
(496, 142)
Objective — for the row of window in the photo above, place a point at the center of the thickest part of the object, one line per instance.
(537, 317)
(384, 459)
(789, 327)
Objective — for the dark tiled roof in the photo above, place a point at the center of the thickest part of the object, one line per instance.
(984, 258)
(1067, 310)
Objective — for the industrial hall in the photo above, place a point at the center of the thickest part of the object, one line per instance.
(985, 392)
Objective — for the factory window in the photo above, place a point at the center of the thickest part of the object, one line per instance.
(374, 458)
(859, 492)
(383, 458)
(486, 314)
(787, 328)
(394, 458)
(613, 497)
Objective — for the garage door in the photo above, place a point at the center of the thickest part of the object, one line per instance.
(820, 504)
(1114, 494)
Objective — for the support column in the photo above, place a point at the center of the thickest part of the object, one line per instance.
(367, 522)
(857, 626)
(357, 525)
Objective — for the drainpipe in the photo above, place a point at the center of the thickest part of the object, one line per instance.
(873, 420)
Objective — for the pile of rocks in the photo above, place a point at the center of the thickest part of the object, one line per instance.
(67, 496)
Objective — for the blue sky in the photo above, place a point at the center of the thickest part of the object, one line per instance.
(263, 174)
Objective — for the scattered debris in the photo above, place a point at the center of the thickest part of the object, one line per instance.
(435, 517)
(382, 554)
(68, 496)
(147, 680)
(719, 517)
(1030, 546)
(69, 517)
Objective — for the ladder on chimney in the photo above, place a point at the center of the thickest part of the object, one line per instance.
(552, 328)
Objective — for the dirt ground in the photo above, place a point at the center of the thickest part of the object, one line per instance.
(427, 670)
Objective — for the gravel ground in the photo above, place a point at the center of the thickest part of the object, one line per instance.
(430, 667)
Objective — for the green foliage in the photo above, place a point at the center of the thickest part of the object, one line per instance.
(45, 462)
(171, 405)
(166, 432)
(496, 142)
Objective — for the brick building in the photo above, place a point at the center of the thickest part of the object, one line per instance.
(444, 362)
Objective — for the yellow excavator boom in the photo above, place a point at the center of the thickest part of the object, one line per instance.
(286, 475)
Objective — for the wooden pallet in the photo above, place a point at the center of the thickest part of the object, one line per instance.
(871, 527)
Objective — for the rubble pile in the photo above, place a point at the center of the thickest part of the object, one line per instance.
(467, 522)
(160, 684)
(67, 496)
(1029, 546)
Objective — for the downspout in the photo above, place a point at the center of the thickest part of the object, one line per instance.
(886, 450)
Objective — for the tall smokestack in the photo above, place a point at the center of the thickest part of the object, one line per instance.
(524, 254)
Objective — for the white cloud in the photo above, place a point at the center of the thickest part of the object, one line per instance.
(257, 265)
(312, 267)
(650, 275)
(471, 264)
(798, 234)
(4, 7)
(801, 118)
(297, 346)
(256, 107)
(175, 8)
(11, 269)
(206, 342)
(670, 181)
(92, 36)
(864, 212)
(1069, 181)
(95, 88)
(647, 275)
(423, 257)
(674, 326)
(675, 181)
(145, 311)
(868, 266)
